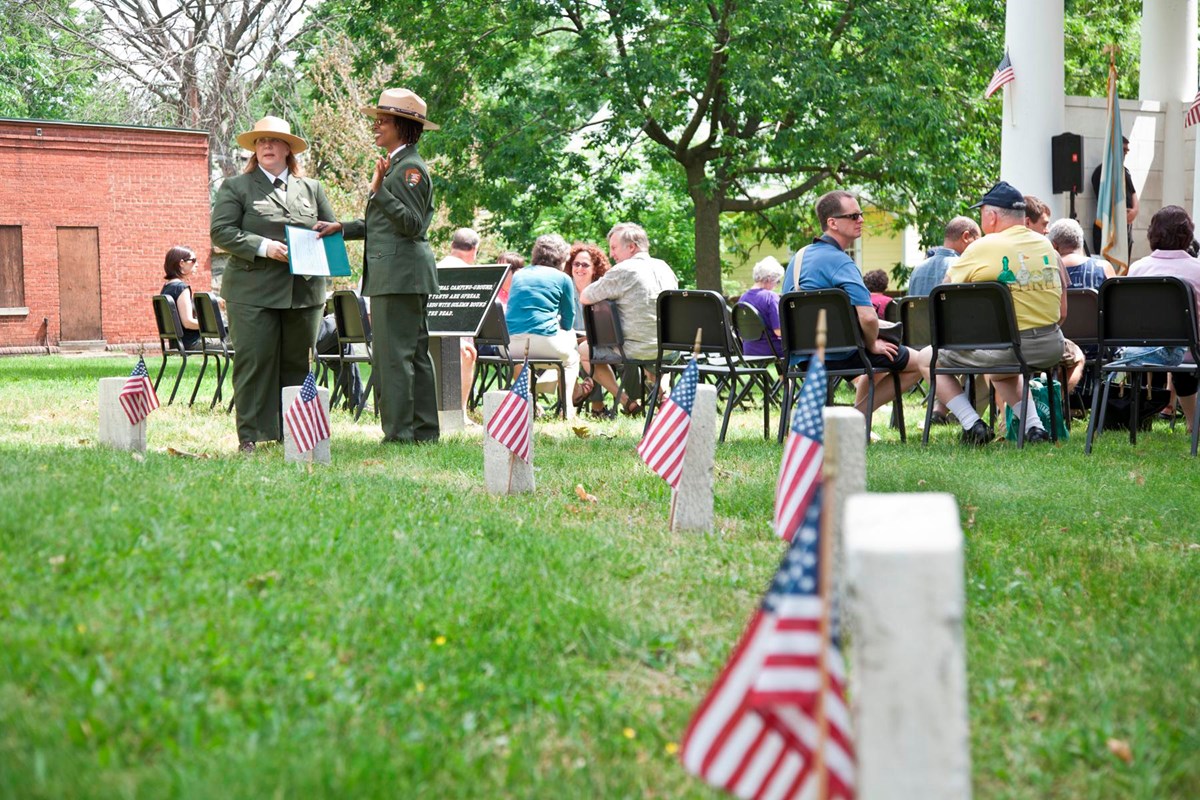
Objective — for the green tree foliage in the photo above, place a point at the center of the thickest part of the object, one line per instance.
(748, 106)
(41, 75)
(1089, 27)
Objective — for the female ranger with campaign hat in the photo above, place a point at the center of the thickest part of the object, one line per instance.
(399, 269)
(273, 315)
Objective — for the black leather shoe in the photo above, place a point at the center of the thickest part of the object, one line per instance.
(978, 434)
(1036, 435)
(246, 447)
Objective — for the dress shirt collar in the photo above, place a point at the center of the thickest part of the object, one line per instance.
(283, 176)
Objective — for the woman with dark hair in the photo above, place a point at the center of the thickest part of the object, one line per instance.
(273, 314)
(1170, 234)
(399, 270)
(177, 266)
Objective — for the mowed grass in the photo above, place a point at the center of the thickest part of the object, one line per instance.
(229, 626)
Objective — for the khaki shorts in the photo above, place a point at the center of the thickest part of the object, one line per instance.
(1042, 347)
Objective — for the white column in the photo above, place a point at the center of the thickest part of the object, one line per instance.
(1168, 75)
(904, 565)
(1033, 102)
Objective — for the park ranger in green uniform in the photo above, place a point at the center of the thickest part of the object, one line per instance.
(273, 315)
(399, 270)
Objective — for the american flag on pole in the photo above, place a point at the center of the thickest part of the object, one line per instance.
(305, 418)
(666, 441)
(756, 733)
(1003, 74)
(137, 396)
(511, 425)
(800, 472)
(1193, 113)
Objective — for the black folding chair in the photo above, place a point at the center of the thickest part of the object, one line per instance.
(602, 327)
(170, 338)
(499, 367)
(353, 328)
(214, 343)
(980, 316)
(680, 314)
(748, 326)
(1142, 312)
(798, 312)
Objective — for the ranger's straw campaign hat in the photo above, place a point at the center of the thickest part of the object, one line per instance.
(273, 128)
(401, 103)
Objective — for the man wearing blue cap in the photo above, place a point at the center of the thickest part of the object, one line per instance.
(1024, 260)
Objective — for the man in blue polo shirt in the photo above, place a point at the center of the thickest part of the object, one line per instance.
(824, 264)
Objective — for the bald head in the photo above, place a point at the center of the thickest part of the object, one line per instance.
(960, 232)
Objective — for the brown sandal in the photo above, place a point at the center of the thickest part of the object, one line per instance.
(631, 407)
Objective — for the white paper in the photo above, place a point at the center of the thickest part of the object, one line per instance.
(306, 253)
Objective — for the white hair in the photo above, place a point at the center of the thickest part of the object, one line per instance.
(769, 270)
(1066, 235)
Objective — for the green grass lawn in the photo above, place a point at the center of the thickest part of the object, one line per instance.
(228, 626)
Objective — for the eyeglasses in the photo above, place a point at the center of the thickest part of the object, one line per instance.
(187, 261)
(581, 265)
(269, 140)
(856, 216)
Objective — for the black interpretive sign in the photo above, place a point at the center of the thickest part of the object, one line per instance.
(465, 295)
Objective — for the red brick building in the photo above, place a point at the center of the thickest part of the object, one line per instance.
(87, 213)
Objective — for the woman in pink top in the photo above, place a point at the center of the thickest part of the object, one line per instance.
(1170, 234)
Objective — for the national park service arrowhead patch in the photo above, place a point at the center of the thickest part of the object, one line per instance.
(412, 176)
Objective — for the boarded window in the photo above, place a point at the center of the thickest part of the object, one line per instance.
(12, 268)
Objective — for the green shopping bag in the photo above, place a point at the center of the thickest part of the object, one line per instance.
(1042, 403)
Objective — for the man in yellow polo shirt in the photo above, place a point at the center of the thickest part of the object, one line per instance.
(1024, 260)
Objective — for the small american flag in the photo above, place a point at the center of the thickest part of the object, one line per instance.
(137, 396)
(512, 425)
(305, 417)
(1193, 113)
(666, 441)
(1003, 74)
(800, 472)
(755, 733)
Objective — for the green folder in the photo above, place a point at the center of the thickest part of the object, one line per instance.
(308, 255)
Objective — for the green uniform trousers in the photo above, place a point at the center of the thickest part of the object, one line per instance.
(271, 350)
(404, 379)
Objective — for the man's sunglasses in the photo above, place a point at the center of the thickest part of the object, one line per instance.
(856, 216)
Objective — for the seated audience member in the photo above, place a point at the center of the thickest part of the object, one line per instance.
(824, 264)
(1170, 235)
(765, 300)
(876, 282)
(586, 264)
(1012, 254)
(633, 282)
(1083, 271)
(960, 232)
(515, 262)
(178, 265)
(541, 310)
(1037, 215)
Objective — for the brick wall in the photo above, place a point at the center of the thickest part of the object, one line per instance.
(144, 189)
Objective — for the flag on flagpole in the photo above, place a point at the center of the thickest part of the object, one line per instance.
(137, 395)
(305, 418)
(803, 454)
(665, 443)
(1193, 113)
(756, 733)
(1110, 201)
(1004, 74)
(512, 424)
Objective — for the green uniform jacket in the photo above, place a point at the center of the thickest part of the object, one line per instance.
(397, 258)
(245, 212)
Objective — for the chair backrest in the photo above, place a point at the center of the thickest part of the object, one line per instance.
(494, 328)
(891, 312)
(166, 317)
(973, 316)
(1082, 325)
(1147, 311)
(798, 312)
(353, 327)
(602, 326)
(681, 312)
(748, 326)
(914, 314)
(208, 315)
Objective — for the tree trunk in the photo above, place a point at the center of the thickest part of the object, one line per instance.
(708, 231)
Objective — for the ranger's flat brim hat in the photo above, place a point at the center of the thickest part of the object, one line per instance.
(401, 103)
(272, 128)
(1003, 195)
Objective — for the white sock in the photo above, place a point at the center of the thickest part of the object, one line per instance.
(961, 407)
(1028, 413)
